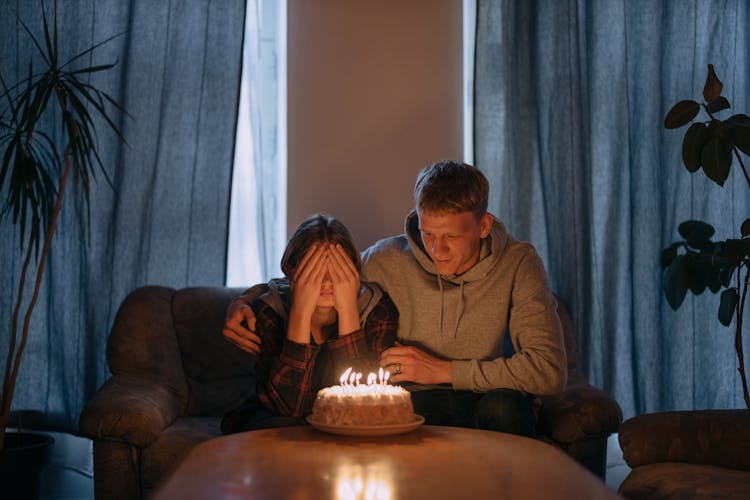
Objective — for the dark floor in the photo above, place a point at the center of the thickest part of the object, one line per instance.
(70, 475)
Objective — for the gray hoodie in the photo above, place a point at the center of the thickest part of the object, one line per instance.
(470, 318)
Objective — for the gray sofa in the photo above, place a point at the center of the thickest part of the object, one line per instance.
(174, 376)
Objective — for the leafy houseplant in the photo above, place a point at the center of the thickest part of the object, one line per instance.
(35, 168)
(696, 262)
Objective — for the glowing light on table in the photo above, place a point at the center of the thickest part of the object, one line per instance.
(372, 482)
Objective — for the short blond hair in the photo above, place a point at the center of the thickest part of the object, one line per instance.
(451, 186)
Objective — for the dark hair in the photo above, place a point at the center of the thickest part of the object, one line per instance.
(315, 229)
(451, 186)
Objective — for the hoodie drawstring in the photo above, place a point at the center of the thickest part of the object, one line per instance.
(440, 319)
(459, 306)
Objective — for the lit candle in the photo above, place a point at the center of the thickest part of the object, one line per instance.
(345, 376)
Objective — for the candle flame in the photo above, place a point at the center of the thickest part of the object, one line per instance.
(351, 378)
(345, 376)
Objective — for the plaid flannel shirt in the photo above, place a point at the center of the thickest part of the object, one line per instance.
(290, 374)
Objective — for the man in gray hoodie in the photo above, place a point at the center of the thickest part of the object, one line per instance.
(478, 325)
(478, 333)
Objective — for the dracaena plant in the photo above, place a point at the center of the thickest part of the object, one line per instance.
(35, 168)
(696, 262)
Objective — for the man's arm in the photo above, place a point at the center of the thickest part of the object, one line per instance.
(239, 323)
(539, 365)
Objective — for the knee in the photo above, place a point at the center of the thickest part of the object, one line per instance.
(506, 410)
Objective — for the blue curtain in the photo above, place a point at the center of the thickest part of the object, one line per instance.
(570, 98)
(165, 222)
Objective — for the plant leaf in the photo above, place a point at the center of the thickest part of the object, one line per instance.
(716, 155)
(745, 228)
(713, 278)
(681, 114)
(713, 87)
(727, 305)
(676, 282)
(669, 254)
(695, 138)
(697, 274)
(717, 104)
(695, 232)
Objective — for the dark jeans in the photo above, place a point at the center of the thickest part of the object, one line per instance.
(503, 410)
(251, 415)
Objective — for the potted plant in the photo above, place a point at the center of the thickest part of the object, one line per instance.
(35, 171)
(696, 262)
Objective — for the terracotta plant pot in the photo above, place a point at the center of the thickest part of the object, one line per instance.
(21, 462)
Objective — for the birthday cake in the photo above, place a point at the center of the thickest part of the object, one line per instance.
(363, 405)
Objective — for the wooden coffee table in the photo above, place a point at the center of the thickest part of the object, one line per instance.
(430, 462)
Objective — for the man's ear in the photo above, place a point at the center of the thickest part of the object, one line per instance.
(485, 224)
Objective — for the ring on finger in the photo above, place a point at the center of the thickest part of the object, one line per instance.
(396, 368)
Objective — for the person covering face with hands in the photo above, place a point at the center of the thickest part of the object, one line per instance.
(309, 327)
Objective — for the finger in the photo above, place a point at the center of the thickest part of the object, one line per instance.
(340, 264)
(309, 263)
(345, 260)
(308, 255)
(319, 268)
(249, 344)
(391, 356)
(250, 321)
(334, 267)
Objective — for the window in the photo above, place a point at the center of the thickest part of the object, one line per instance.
(257, 220)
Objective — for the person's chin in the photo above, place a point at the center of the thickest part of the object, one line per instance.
(446, 269)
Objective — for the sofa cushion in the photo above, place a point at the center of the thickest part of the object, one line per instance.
(143, 344)
(713, 437)
(685, 481)
(219, 375)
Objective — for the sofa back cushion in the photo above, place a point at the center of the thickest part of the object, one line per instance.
(143, 343)
(219, 375)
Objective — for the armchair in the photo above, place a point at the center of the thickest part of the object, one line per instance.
(687, 454)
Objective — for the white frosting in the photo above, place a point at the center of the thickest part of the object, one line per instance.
(359, 405)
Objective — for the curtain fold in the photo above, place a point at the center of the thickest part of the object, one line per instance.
(164, 221)
(570, 98)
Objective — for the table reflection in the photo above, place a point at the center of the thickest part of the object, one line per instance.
(369, 482)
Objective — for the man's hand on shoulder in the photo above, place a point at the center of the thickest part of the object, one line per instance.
(239, 334)
(411, 364)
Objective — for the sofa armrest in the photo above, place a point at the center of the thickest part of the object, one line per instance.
(581, 411)
(713, 437)
(132, 409)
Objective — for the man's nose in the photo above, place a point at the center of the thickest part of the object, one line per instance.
(438, 246)
(327, 277)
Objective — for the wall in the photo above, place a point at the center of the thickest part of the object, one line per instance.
(374, 93)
